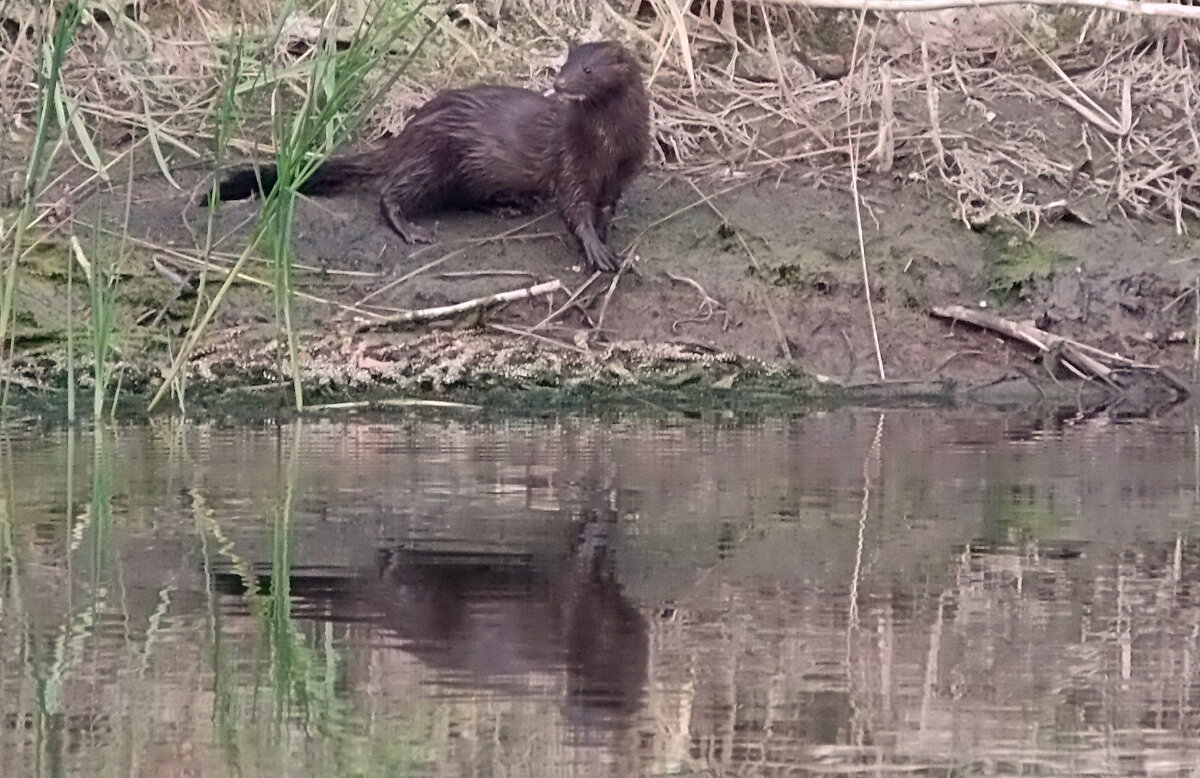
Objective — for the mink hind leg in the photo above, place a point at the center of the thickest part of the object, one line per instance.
(404, 195)
(603, 218)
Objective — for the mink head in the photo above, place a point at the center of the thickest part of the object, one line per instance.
(597, 72)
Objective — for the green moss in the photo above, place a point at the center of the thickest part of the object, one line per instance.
(41, 302)
(790, 275)
(1015, 263)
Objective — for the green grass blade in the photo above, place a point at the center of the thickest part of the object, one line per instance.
(71, 121)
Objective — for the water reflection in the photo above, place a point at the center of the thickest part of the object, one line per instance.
(493, 620)
(848, 593)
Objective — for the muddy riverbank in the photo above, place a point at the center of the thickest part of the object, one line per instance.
(759, 283)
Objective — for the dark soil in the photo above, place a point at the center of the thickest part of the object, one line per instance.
(785, 249)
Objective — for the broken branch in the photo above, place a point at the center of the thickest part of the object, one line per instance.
(443, 311)
(1073, 357)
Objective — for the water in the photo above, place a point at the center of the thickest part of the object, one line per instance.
(853, 593)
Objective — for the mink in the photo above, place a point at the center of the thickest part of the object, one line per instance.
(578, 147)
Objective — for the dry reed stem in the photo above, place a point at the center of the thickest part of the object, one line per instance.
(853, 153)
(931, 103)
(1131, 7)
(536, 336)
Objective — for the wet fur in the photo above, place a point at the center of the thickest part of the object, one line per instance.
(496, 145)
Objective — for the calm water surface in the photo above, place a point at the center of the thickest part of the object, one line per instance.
(854, 593)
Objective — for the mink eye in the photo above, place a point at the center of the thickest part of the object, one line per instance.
(587, 70)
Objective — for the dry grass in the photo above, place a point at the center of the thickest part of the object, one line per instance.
(1050, 114)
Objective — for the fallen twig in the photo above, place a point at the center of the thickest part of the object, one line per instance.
(483, 273)
(1081, 359)
(709, 305)
(570, 300)
(442, 311)
(1081, 364)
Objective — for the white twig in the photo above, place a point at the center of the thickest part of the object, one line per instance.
(442, 311)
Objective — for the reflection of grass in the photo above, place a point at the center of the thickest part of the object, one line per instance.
(14, 618)
(1011, 516)
(85, 667)
(101, 518)
(60, 646)
(52, 664)
(302, 674)
(287, 649)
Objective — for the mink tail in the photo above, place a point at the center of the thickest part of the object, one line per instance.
(333, 176)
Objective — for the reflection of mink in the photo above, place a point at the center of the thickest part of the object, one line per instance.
(493, 145)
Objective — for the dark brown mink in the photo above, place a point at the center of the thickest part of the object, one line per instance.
(496, 145)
